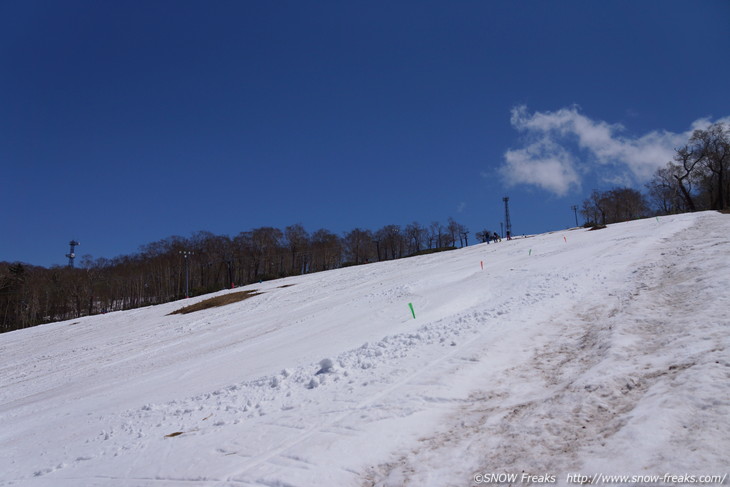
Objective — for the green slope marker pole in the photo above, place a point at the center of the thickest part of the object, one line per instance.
(657, 219)
(530, 252)
(410, 305)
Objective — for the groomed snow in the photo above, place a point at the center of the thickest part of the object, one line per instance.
(571, 353)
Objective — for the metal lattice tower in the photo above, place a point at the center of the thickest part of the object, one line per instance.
(72, 255)
(507, 222)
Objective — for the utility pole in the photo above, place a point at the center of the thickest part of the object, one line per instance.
(507, 222)
(186, 254)
(72, 255)
(575, 211)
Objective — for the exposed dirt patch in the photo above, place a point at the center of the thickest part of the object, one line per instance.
(217, 301)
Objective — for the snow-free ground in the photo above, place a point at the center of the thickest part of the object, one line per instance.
(571, 353)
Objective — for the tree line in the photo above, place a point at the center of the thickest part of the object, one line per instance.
(696, 179)
(31, 295)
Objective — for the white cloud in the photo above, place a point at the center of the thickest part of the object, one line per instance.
(546, 161)
(542, 163)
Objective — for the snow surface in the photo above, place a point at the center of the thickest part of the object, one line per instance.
(575, 352)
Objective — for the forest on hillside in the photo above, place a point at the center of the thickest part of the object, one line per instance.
(174, 267)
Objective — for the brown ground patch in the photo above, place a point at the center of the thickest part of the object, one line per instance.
(217, 301)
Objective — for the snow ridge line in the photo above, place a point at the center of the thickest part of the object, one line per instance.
(347, 366)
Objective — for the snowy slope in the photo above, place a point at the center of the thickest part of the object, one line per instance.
(571, 353)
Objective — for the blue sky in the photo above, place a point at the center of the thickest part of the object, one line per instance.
(122, 123)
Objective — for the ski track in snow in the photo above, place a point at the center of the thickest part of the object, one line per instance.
(591, 354)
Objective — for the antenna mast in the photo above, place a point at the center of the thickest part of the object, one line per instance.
(507, 222)
(72, 255)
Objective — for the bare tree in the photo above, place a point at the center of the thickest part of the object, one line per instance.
(594, 208)
(464, 233)
(483, 235)
(416, 235)
(615, 205)
(391, 242)
(298, 242)
(453, 229)
(436, 235)
(687, 161)
(326, 250)
(712, 146)
(359, 246)
(664, 192)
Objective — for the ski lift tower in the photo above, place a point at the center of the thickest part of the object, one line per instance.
(72, 255)
(507, 222)
(575, 212)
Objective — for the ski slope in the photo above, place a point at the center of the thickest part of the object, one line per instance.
(572, 353)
